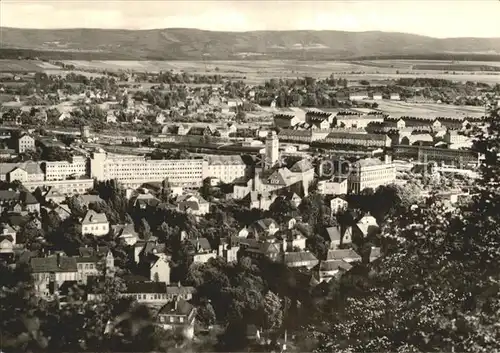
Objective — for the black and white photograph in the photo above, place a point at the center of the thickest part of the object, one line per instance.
(207, 176)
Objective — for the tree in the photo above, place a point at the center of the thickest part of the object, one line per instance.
(273, 311)
(145, 229)
(435, 288)
(206, 314)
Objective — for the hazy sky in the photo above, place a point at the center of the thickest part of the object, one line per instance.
(452, 18)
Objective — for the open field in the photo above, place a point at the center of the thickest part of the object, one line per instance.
(428, 110)
(20, 66)
(256, 72)
(431, 64)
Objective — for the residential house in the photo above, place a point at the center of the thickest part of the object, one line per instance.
(144, 200)
(53, 195)
(377, 96)
(261, 249)
(347, 255)
(178, 314)
(395, 96)
(193, 204)
(86, 200)
(300, 259)
(228, 252)
(52, 270)
(7, 232)
(366, 226)
(143, 249)
(95, 223)
(334, 186)
(259, 200)
(338, 205)
(263, 227)
(25, 142)
(336, 237)
(160, 270)
(6, 248)
(328, 270)
(202, 250)
(243, 233)
(125, 233)
(18, 201)
(293, 198)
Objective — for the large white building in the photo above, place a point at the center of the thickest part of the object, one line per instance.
(225, 168)
(370, 173)
(133, 171)
(61, 170)
(65, 187)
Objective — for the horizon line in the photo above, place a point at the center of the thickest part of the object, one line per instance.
(235, 31)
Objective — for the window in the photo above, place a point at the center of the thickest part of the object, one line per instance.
(171, 319)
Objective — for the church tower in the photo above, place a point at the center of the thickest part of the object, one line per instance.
(272, 150)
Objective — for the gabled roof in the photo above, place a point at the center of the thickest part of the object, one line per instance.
(260, 247)
(334, 233)
(202, 242)
(341, 254)
(87, 259)
(53, 264)
(123, 230)
(146, 287)
(92, 217)
(88, 251)
(178, 307)
(334, 265)
(88, 199)
(301, 166)
(5, 228)
(28, 198)
(263, 224)
(291, 257)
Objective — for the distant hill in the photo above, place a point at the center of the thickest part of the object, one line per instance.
(194, 44)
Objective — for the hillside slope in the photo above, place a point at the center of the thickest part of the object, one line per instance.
(182, 43)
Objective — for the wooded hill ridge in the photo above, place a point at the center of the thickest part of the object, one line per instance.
(195, 44)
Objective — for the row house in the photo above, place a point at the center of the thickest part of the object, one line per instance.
(366, 140)
(151, 293)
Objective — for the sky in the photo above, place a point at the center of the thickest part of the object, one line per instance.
(435, 18)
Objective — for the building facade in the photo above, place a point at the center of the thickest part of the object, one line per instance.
(370, 173)
(133, 171)
(61, 170)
